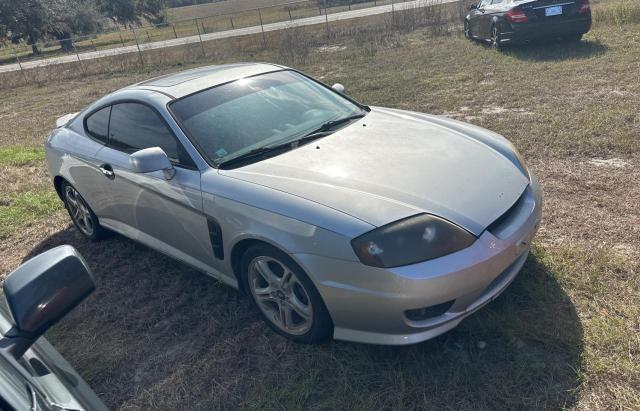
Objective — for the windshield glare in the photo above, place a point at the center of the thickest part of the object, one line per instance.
(232, 119)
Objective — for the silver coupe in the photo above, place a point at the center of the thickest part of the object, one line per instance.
(340, 220)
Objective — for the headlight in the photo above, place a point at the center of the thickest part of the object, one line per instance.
(409, 241)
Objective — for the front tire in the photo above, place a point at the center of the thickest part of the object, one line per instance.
(286, 298)
(81, 214)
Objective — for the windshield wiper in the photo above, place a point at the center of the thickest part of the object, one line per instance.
(259, 152)
(334, 123)
(262, 152)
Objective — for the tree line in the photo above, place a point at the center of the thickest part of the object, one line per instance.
(30, 21)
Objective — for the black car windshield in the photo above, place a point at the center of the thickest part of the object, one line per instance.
(236, 118)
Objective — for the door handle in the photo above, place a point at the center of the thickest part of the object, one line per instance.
(107, 171)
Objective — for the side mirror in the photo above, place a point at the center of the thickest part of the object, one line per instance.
(42, 291)
(473, 6)
(150, 160)
(339, 88)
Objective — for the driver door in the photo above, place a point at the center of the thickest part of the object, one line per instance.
(163, 214)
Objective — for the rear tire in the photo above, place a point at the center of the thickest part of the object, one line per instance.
(574, 38)
(81, 214)
(496, 36)
(286, 298)
(467, 30)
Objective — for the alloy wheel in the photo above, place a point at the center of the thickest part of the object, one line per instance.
(495, 38)
(467, 31)
(280, 295)
(79, 211)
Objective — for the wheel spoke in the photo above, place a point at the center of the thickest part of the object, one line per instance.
(285, 315)
(262, 267)
(88, 223)
(301, 309)
(286, 281)
(72, 200)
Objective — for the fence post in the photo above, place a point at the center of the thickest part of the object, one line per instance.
(326, 17)
(349, 4)
(393, 15)
(93, 45)
(135, 35)
(20, 65)
(78, 56)
(232, 26)
(121, 39)
(264, 38)
(200, 37)
(174, 31)
(289, 10)
(148, 36)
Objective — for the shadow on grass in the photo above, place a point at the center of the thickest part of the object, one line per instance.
(557, 50)
(157, 334)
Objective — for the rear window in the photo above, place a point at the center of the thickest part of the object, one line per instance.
(97, 124)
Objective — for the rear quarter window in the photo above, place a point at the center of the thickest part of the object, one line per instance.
(97, 124)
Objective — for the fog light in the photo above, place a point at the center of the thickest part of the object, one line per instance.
(425, 313)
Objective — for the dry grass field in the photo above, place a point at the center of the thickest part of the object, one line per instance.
(566, 334)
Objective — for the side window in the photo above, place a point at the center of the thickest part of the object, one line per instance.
(497, 1)
(135, 126)
(484, 3)
(97, 124)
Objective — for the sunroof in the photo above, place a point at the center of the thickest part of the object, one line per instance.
(177, 78)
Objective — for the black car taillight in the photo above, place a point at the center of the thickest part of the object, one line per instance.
(585, 8)
(516, 16)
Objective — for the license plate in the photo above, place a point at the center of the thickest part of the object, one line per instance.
(553, 11)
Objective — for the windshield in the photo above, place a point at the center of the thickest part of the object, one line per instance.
(235, 118)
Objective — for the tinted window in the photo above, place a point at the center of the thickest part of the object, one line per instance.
(135, 126)
(98, 124)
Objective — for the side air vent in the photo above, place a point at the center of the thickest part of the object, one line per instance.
(215, 234)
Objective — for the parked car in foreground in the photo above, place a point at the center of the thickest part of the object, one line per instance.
(33, 375)
(363, 223)
(504, 22)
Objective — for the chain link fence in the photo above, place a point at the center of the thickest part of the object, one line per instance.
(81, 51)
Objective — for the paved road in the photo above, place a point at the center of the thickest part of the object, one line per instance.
(308, 21)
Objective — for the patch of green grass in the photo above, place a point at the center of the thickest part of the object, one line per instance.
(26, 209)
(20, 156)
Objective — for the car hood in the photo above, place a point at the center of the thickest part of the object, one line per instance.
(393, 164)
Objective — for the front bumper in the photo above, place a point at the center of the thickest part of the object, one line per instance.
(368, 304)
(518, 33)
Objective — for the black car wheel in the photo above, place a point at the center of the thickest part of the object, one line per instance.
(496, 37)
(574, 38)
(467, 30)
(284, 295)
(81, 214)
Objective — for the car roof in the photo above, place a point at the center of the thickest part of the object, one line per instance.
(183, 83)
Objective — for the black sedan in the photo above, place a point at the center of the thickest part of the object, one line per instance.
(502, 22)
